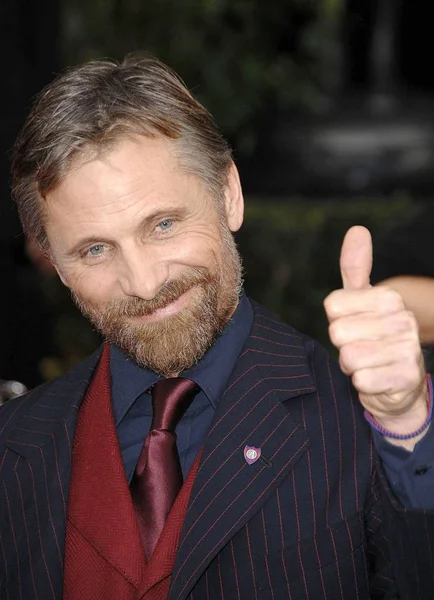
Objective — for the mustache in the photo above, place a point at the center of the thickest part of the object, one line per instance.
(171, 291)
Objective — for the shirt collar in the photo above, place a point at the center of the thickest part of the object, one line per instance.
(129, 381)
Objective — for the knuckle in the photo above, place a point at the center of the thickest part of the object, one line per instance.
(360, 380)
(412, 322)
(391, 300)
(412, 354)
(335, 333)
(396, 300)
(408, 322)
(346, 357)
(405, 376)
(331, 303)
(344, 367)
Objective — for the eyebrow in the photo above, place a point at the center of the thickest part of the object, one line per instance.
(166, 213)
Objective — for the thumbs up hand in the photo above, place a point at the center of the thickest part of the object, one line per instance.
(378, 342)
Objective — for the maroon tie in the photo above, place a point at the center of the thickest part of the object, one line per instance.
(158, 476)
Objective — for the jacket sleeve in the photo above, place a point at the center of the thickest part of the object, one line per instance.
(410, 535)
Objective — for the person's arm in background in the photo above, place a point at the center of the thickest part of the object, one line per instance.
(417, 292)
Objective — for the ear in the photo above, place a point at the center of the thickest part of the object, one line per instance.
(234, 201)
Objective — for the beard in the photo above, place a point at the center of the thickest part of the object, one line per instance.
(174, 343)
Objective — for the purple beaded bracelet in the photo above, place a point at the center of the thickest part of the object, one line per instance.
(397, 436)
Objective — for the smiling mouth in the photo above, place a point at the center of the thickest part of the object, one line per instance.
(168, 310)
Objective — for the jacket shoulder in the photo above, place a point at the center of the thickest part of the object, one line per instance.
(321, 364)
(277, 330)
(77, 377)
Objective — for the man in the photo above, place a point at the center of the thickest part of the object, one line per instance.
(121, 176)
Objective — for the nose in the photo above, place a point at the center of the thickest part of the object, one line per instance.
(142, 274)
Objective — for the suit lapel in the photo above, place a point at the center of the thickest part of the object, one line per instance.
(35, 476)
(228, 491)
(52, 408)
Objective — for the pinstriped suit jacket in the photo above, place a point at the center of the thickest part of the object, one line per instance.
(315, 520)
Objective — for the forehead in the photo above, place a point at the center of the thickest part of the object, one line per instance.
(131, 158)
(138, 168)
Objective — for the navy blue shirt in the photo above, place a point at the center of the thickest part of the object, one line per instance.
(411, 474)
(132, 406)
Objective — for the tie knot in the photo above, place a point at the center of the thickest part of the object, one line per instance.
(170, 400)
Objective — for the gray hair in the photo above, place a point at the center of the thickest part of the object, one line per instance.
(87, 110)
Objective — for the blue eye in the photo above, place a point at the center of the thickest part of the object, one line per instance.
(96, 250)
(165, 225)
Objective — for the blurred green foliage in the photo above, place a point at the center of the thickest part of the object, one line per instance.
(290, 250)
(241, 58)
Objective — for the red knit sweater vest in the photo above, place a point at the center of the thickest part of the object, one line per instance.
(104, 558)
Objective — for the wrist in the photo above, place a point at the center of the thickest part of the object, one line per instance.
(407, 429)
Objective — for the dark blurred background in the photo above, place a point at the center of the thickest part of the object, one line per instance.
(329, 105)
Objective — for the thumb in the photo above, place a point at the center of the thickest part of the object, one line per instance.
(356, 258)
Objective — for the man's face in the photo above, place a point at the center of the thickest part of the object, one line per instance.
(147, 254)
